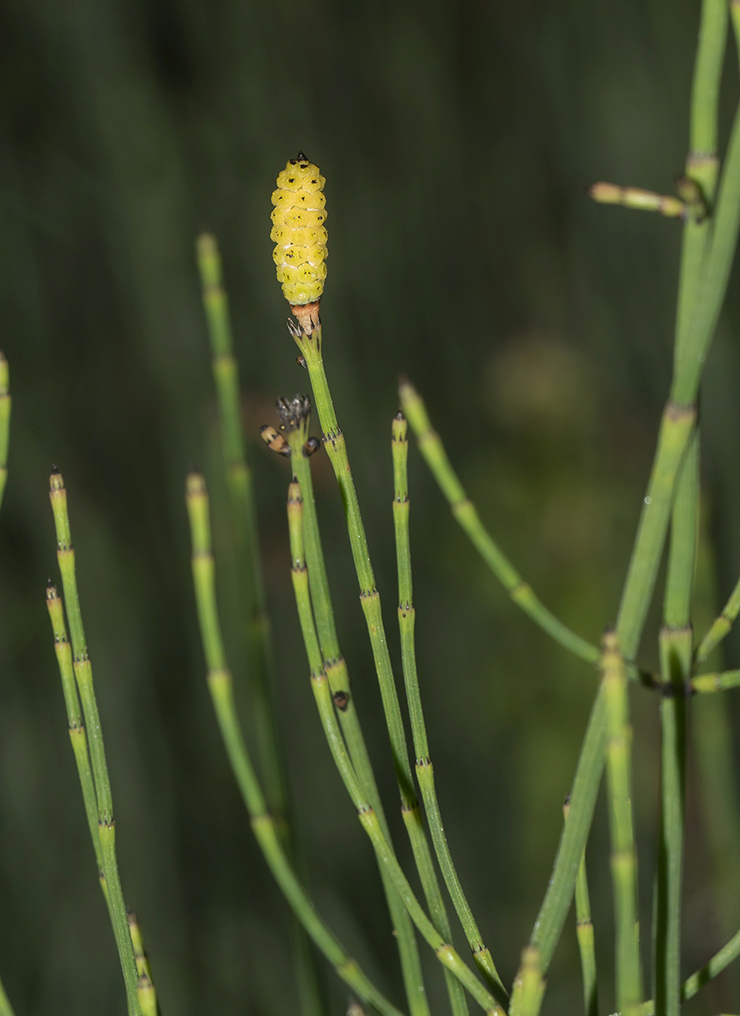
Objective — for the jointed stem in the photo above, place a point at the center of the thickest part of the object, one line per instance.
(585, 935)
(676, 658)
(720, 627)
(424, 768)
(464, 511)
(339, 684)
(84, 680)
(263, 823)
(368, 819)
(623, 860)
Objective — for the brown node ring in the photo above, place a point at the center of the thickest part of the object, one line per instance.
(307, 315)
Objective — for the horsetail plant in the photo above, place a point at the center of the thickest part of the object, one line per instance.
(263, 823)
(585, 934)
(250, 583)
(84, 688)
(295, 417)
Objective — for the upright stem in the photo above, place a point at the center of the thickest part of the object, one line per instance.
(6, 1009)
(368, 819)
(337, 674)
(623, 859)
(251, 587)
(424, 767)
(244, 517)
(4, 423)
(263, 823)
(676, 660)
(585, 935)
(84, 679)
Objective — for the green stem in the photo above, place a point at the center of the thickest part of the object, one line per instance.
(339, 684)
(77, 733)
(623, 856)
(263, 823)
(146, 990)
(244, 518)
(368, 819)
(464, 511)
(720, 627)
(690, 987)
(250, 587)
(4, 423)
(715, 682)
(676, 642)
(84, 679)
(585, 935)
(424, 767)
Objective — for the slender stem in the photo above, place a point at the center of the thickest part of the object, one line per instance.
(263, 823)
(334, 442)
(676, 643)
(585, 935)
(368, 819)
(84, 678)
(715, 682)
(529, 984)
(720, 627)
(464, 511)
(337, 674)
(690, 987)
(623, 857)
(6, 1009)
(4, 424)
(250, 586)
(424, 767)
(77, 732)
(146, 990)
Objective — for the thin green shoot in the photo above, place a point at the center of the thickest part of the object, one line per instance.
(585, 934)
(464, 511)
(423, 764)
(720, 628)
(444, 951)
(83, 674)
(146, 991)
(623, 855)
(263, 823)
(295, 415)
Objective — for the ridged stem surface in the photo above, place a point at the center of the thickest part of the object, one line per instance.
(84, 680)
(368, 819)
(262, 822)
(585, 936)
(423, 764)
(250, 584)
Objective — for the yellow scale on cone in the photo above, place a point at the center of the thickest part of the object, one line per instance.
(298, 231)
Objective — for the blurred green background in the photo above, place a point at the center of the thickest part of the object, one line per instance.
(456, 139)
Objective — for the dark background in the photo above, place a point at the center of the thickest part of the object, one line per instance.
(456, 139)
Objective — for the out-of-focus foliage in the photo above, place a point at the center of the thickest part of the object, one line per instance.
(456, 139)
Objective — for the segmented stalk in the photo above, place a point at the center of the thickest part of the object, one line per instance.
(690, 987)
(423, 765)
(4, 423)
(444, 951)
(84, 679)
(262, 822)
(244, 517)
(250, 586)
(77, 732)
(296, 417)
(721, 627)
(146, 989)
(585, 934)
(676, 642)
(464, 511)
(636, 197)
(623, 857)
